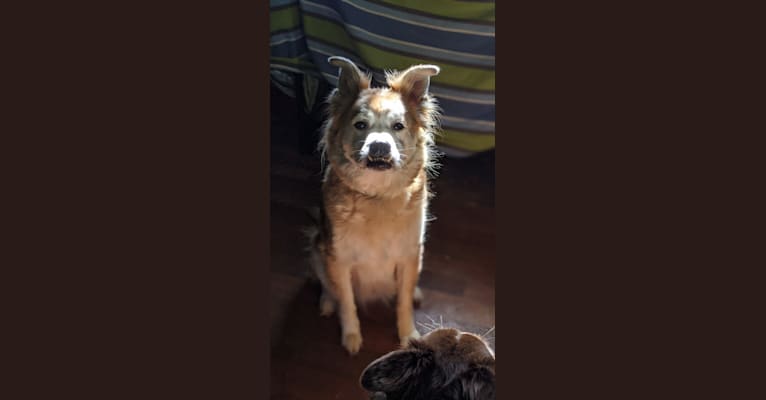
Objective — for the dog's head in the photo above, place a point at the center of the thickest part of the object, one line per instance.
(445, 364)
(378, 138)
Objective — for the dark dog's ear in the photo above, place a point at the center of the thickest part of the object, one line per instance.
(350, 80)
(477, 383)
(395, 370)
(414, 82)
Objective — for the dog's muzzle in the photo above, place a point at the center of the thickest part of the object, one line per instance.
(378, 151)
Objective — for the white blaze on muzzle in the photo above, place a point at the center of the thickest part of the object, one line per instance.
(380, 145)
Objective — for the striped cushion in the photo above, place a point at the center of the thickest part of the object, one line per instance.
(459, 36)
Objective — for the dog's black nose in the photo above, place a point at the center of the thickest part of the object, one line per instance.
(379, 150)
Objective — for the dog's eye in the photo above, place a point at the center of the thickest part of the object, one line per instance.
(360, 125)
(398, 126)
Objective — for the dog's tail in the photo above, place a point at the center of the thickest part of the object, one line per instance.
(313, 245)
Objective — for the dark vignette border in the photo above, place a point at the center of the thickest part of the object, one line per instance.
(141, 219)
(622, 205)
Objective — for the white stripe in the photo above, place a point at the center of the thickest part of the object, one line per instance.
(284, 41)
(327, 10)
(293, 34)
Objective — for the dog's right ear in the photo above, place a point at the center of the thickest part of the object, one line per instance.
(394, 371)
(350, 80)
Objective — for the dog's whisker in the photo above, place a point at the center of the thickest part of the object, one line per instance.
(488, 332)
(422, 324)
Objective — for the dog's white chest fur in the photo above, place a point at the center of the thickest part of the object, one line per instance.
(374, 241)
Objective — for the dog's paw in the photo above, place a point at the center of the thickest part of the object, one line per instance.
(404, 340)
(352, 341)
(417, 297)
(326, 306)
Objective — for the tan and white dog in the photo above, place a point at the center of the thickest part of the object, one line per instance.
(378, 143)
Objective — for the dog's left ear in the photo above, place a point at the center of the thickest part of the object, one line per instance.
(350, 79)
(414, 82)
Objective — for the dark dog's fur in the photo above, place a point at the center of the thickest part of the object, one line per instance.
(445, 364)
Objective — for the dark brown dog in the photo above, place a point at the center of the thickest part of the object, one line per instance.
(445, 364)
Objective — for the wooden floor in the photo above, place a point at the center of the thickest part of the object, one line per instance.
(307, 359)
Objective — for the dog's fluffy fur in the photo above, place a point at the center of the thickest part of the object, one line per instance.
(378, 144)
(445, 364)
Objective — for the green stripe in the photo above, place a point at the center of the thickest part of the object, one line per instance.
(285, 19)
(448, 8)
(466, 141)
(453, 75)
(329, 32)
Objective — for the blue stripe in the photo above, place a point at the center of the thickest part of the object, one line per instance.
(466, 110)
(388, 27)
(295, 48)
(280, 3)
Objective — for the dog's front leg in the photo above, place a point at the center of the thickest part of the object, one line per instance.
(408, 280)
(340, 277)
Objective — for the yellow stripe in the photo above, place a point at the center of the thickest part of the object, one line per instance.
(466, 141)
(286, 18)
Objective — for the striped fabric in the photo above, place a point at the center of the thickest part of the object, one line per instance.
(378, 35)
